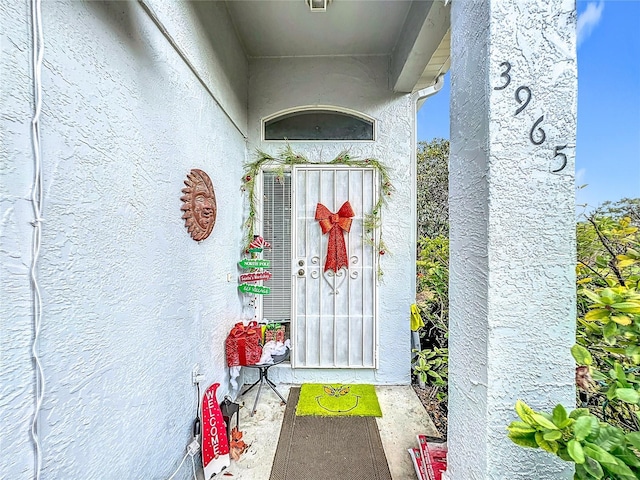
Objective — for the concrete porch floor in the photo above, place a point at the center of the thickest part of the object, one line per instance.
(403, 417)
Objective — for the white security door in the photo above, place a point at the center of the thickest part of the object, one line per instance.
(333, 313)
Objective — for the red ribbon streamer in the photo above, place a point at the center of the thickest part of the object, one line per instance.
(334, 223)
(239, 329)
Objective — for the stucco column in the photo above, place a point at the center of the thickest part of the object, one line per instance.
(513, 124)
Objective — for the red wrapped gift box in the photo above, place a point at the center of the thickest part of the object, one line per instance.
(243, 345)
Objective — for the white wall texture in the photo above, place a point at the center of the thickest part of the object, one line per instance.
(131, 302)
(205, 31)
(512, 296)
(361, 84)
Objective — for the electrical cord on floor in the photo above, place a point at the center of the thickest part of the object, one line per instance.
(192, 450)
(178, 469)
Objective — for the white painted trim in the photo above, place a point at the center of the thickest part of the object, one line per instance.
(376, 268)
(327, 55)
(325, 108)
(294, 295)
(426, 25)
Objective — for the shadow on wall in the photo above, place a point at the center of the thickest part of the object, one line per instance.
(211, 15)
(126, 20)
(212, 18)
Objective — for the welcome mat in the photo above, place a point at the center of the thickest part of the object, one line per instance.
(329, 400)
(328, 448)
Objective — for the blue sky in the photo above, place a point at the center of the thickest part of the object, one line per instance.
(608, 145)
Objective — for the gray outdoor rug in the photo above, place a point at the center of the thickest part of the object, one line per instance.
(328, 448)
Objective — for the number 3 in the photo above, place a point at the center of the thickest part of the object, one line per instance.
(505, 75)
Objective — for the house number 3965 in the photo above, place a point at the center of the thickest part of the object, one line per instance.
(523, 96)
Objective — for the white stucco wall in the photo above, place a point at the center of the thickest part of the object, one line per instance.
(361, 84)
(205, 31)
(131, 302)
(512, 295)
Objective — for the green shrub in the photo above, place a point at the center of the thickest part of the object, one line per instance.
(433, 290)
(603, 439)
(431, 362)
(598, 449)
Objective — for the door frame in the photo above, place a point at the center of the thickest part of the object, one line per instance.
(259, 222)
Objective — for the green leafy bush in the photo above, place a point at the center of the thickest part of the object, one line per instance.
(433, 290)
(608, 273)
(433, 188)
(598, 449)
(432, 367)
(431, 362)
(603, 439)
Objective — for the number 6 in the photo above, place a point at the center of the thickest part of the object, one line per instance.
(543, 136)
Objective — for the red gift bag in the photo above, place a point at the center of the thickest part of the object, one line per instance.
(274, 332)
(243, 345)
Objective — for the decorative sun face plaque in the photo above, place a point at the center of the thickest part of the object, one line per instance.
(199, 205)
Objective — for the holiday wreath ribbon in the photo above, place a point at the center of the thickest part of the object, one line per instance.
(334, 224)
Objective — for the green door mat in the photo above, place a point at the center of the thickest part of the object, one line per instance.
(338, 400)
(328, 448)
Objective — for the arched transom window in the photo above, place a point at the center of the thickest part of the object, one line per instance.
(316, 124)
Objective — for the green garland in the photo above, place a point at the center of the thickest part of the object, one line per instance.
(288, 158)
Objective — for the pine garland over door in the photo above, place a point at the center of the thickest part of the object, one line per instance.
(287, 158)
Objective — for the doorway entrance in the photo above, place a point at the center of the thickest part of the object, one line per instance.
(333, 315)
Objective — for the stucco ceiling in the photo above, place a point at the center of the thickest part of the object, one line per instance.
(413, 33)
(288, 28)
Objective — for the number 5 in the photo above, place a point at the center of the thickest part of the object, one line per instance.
(557, 153)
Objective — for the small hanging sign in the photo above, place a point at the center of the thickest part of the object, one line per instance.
(254, 263)
(255, 277)
(256, 289)
(258, 244)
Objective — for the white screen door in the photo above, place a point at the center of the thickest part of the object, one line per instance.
(333, 314)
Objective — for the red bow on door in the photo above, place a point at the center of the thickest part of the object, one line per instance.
(334, 223)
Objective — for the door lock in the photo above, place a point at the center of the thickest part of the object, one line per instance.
(301, 272)
(301, 262)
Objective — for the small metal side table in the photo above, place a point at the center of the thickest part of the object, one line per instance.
(263, 369)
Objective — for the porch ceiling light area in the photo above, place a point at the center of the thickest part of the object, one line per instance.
(413, 34)
(272, 29)
(318, 5)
